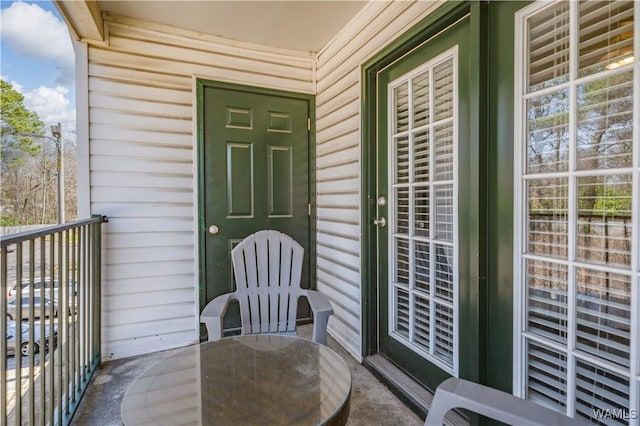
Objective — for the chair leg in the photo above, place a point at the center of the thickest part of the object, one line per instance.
(320, 327)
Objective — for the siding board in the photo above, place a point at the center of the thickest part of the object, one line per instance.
(350, 77)
(122, 348)
(154, 299)
(338, 155)
(349, 109)
(150, 284)
(148, 254)
(135, 195)
(140, 120)
(347, 95)
(143, 180)
(172, 68)
(137, 106)
(142, 93)
(202, 56)
(160, 313)
(139, 165)
(335, 146)
(143, 78)
(149, 329)
(148, 136)
(146, 269)
(340, 127)
(123, 27)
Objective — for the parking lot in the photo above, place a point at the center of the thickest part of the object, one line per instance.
(45, 375)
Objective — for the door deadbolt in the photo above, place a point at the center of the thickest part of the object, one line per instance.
(382, 201)
(213, 229)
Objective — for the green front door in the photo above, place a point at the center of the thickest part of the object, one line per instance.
(254, 175)
(423, 161)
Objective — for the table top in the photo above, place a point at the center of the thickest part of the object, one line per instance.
(243, 380)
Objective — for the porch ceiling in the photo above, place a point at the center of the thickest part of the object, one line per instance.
(293, 25)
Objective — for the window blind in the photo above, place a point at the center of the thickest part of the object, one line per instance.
(548, 51)
(606, 35)
(423, 215)
(577, 213)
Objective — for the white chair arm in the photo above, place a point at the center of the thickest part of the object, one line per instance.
(213, 314)
(498, 405)
(322, 309)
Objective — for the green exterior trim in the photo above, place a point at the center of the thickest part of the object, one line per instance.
(430, 26)
(471, 308)
(202, 270)
(489, 224)
(500, 198)
(201, 84)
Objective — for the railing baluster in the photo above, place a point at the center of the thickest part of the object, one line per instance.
(97, 261)
(61, 328)
(84, 276)
(4, 366)
(82, 295)
(17, 408)
(31, 359)
(43, 333)
(65, 314)
(52, 328)
(74, 316)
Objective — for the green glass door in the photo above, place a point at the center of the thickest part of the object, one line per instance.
(422, 193)
(254, 164)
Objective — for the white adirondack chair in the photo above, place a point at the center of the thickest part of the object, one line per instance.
(268, 267)
(492, 403)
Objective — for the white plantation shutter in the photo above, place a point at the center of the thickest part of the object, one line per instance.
(546, 375)
(598, 387)
(423, 280)
(548, 53)
(606, 35)
(579, 271)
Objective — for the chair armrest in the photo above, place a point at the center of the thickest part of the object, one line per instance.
(213, 314)
(493, 403)
(322, 309)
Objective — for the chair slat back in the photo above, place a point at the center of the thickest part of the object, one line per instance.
(268, 268)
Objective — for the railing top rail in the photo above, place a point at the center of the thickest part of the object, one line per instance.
(7, 240)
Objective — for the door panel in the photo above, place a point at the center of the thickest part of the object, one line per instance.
(422, 148)
(255, 175)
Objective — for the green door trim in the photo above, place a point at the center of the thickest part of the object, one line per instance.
(445, 16)
(201, 84)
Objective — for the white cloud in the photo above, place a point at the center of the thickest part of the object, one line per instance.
(37, 33)
(51, 104)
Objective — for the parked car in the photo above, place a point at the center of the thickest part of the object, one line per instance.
(48, 308)
(24, 338)
(37, 285)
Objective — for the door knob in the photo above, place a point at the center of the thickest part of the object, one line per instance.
(380, 222)
(213, 229)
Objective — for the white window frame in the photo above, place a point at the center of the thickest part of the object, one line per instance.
(520, 210)
(429, 65)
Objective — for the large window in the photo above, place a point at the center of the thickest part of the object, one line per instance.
(423, 222)
(577, 200)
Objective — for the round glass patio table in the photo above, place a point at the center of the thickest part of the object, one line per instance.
(262, 379)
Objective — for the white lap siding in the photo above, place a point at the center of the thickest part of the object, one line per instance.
(143, 168)
(338, 156)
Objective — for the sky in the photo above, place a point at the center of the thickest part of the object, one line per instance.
(37, 58)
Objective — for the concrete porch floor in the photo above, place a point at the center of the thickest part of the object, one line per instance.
(372, 403)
